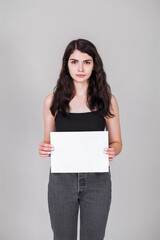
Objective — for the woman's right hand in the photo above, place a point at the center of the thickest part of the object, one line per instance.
(45, 149)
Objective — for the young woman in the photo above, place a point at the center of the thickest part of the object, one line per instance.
(82, 101)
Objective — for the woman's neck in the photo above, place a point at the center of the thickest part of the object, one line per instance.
(81, 89)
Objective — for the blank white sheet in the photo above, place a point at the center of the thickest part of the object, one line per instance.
(79, 152)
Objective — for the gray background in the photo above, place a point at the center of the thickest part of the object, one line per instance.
(34, 35)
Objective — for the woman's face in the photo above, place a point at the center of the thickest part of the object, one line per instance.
(80, 66)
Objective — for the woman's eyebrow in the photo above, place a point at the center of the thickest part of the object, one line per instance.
(83, 60)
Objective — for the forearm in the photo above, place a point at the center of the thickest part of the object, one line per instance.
(117, 146)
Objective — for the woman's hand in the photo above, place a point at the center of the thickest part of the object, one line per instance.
(45, 149)
(110, 152)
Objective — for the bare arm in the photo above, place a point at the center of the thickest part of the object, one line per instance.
(45, 147)
(49, 123)
(113, 126)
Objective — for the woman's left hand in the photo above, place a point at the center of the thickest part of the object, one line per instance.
(110, 152)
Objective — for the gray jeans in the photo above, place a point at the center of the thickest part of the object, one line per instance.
(67, 192)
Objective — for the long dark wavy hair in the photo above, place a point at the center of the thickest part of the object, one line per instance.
(98, 92)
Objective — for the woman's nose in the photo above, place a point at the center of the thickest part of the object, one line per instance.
(80, 67)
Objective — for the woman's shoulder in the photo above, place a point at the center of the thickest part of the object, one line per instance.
(114, 108)
(48, 99)
(113, 101)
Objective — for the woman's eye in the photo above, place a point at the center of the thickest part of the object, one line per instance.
(76, 61)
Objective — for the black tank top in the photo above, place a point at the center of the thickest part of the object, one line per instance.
(85, 121)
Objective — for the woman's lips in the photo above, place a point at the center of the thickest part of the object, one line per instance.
(80, 75)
